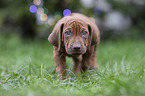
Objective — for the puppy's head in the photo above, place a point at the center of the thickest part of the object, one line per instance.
(75, 35)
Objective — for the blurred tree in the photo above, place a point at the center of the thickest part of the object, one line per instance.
(15, 15)
(136, 10)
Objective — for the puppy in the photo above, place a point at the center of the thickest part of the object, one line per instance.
(78, 37)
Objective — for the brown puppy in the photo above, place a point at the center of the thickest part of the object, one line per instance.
(78, 37)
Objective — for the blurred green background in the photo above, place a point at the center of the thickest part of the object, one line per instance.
(26, 58)
(115, 18)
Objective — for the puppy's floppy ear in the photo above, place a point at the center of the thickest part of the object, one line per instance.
(56, 35)
(94, 35)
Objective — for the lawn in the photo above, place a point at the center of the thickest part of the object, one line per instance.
(27, 69)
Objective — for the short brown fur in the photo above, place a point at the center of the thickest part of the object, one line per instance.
(78, 37)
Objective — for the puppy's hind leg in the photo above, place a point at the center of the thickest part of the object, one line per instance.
(93, 63)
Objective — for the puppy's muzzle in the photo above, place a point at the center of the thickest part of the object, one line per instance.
(76, 47)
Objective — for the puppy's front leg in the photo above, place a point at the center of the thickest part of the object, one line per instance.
(85, 64)
(60, 62)
(77, 61)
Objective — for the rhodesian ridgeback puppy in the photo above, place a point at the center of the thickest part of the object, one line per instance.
(78, 37)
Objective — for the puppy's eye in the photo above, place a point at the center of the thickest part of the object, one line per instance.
(84, 33)
(68, 33)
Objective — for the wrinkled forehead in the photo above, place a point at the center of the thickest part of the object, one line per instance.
(75, 23)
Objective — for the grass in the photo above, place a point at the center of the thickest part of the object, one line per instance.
(27, 69)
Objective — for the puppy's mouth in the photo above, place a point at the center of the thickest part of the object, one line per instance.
(76, 52)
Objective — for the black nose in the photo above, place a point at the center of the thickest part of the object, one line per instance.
(76, 46)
